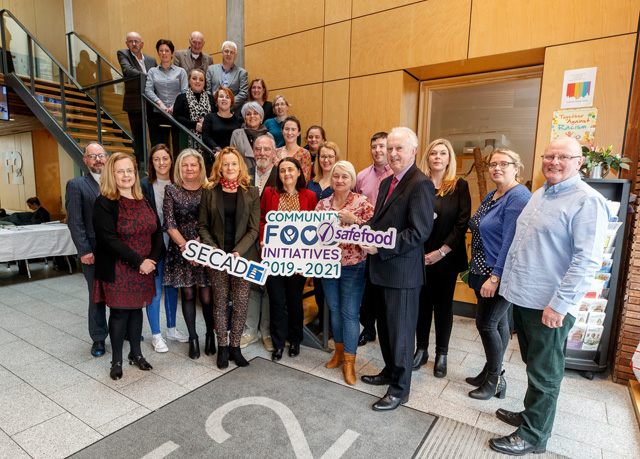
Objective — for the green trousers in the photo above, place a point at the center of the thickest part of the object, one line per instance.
(541, 348)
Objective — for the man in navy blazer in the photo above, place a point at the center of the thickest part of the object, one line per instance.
(134, 62)
(405, 202)
(229, 75)
(80, 196)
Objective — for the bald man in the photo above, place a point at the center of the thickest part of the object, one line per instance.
(556, 251)
(193, 57)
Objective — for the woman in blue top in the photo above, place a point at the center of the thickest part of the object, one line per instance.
(492, 229)
(274, 125)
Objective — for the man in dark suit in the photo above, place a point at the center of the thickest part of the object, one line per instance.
(134, 62)
(229, 75)
(40, 214)
(263, 175)
(80, 197)
(405, 202)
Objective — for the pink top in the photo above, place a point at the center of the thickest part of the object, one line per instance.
(360, 205)
(368, 181)
(301, 155)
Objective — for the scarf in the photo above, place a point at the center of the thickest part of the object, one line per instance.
(230, 184)
(198, 108)
(253, 134)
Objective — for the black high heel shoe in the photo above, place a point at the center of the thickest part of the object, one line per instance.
(493, 386)
(478, 379)
(194, 348)
(116, 370)
(419, 358)
(210, 344)
(223, 357)
(140, 361)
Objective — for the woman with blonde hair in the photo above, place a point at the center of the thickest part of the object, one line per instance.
(230, 220)
(344, 294)
(445, 253)
(181, 208)
(492, 229)
(128, 247)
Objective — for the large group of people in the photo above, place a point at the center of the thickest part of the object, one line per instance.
(532, 255)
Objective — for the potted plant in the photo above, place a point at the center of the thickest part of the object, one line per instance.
(599, 161)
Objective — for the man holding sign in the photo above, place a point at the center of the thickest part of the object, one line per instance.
(406, 203)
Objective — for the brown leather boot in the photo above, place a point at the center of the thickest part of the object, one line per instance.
(349, 369)
(338, 357)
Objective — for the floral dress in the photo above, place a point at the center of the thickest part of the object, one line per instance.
(181, 210)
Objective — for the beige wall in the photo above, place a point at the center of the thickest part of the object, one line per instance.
(15, 196)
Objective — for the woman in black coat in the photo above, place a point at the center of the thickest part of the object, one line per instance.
(128, 247)
(445, 253)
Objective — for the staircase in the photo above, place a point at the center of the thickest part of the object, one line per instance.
(80, 116)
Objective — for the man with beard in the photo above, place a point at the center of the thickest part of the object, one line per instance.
(80, 197)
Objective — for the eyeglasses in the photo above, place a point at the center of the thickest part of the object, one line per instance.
(267, 149)
(134, 42)
(94, 157)
(228, 51)
(502, 164)
(562, 158)
(125, 171)
(325, 158)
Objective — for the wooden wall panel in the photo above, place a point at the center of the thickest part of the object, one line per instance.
(375, 104)
(401, 37)
(105, 24)
(335, 113)
(14, 197)
(306, 103)
(336, 11)
(337, 42)
(364, 7)
(67, 172)
(293, 60)
(546, 22)
(267, 19)
(47, 172)
(614, 59)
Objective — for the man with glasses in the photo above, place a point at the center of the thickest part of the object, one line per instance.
(133, 63)
(193, 57)
(79, 199)
(556, 251)
(229, 75)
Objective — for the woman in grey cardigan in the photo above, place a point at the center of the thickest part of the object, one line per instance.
(242, 139)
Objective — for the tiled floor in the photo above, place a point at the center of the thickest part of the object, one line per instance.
(55, 398)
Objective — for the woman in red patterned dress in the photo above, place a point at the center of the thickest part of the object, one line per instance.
(345, 293)
(128, 246)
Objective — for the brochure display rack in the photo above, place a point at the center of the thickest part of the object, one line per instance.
(587, 347)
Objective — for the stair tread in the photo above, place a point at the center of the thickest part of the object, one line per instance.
(67, 99)
(112, 148)
(110, 138)
(90, 127)
(69, 107)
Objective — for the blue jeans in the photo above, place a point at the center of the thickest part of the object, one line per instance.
(343, 297)
(170, 303)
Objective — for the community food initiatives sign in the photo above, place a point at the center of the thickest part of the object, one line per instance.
(307, 242)
(291, 245)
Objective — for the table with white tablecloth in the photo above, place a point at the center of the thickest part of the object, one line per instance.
(35, 241)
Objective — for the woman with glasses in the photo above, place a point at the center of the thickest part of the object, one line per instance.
(128, 248)
(242, 139)
(445, 253)
(329, 154)
(492, 229)
(281, 111)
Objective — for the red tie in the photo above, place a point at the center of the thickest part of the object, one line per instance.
(393, 185)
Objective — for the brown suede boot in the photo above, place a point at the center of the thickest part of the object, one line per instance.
(338, 356)
(349, 369)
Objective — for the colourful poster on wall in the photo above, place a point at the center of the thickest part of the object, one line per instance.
(579, 123)
(578, 88)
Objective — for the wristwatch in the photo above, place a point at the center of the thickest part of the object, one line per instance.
(442, 254)
(494, 279)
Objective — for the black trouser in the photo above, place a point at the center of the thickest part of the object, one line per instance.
(97, 314)
(121, 322)
(285, 309)
(135, 122)
(158, 133)
(368, 312)
(436, 298)
(397, 314)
